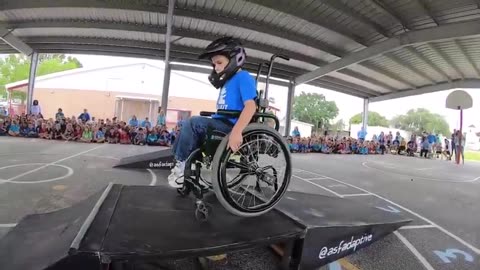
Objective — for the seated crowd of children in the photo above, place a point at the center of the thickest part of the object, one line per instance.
(92, 131)
(378, 145)
(334, 145)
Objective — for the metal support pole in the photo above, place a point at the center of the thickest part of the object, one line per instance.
(288, 116)
(365, 114)
(31, 80)
(166, 76)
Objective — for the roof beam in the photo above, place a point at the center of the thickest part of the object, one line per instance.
(446, 59)
(428, 11)
(385, 9)
(444, 32)
(243, 22)
(464, 52)
(338, 5)
(340, 89)
(458, 84)
(292, 8)
(9, 38)
(176, 31)
(388, 74)
(157, 49)
(360, 76)
(142, 49)
(341, 83)
(183, 33)
(406, 65)
(428, 62)
(208, 70)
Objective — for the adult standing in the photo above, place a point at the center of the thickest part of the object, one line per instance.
(36, 110)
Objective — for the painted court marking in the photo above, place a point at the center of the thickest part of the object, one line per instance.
(356, 195)
(411, 227)
(154, 178)
(8, 225)
(107, 157)
(320, 186)
(364, 164)
(69, 173)
(52, 163)
(415, 252)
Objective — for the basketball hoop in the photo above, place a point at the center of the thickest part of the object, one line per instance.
(459, 100)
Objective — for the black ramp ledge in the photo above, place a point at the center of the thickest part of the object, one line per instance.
(43, 240)
(162, 160)
(145, 223)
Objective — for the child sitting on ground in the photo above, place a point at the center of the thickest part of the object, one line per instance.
(152, 138)
(69, 133)
(99, 136)
(77, 134)
(87, 135)
(14, 130)
(30, 131)
(140, 137)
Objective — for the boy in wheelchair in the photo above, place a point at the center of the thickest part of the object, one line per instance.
(237, 92)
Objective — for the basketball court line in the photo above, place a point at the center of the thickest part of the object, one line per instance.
(154, 178)
(53, 163)
(465, 243)
(411, 227)
(409, 245)
(8, 225)
(320, 186)
(356, 195)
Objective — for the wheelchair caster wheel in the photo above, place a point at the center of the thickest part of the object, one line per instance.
(202, 212)
(183, 191)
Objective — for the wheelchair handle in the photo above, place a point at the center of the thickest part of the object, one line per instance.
(272, 59)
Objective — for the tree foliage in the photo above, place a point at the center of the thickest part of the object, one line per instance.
(313, 108)
(374, 119)
(338, 126)
(419, 120)
(16, 67)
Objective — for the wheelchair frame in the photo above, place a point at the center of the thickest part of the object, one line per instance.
(204, 155)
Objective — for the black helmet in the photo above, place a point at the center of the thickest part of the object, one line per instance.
(232, 49)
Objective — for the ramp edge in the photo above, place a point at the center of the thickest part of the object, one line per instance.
(88, 221)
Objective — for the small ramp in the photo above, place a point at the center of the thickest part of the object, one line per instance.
(142, 223)
(162, 159)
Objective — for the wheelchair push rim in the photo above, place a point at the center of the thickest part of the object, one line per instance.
(232, 194)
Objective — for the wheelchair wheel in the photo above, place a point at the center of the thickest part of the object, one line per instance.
(261, 172)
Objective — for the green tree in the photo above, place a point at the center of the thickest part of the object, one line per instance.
(314, 109)
(374, 119)
(419, 120)
(16, 67)
(338, 126)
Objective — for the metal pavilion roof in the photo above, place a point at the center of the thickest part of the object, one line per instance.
(375, 49)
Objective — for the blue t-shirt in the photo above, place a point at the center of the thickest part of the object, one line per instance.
(99, 134)
(236, 91)
(15, 128)
(133, 122)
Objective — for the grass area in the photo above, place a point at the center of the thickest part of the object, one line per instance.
(469, 155)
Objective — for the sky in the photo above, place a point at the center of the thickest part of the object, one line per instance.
(348, 105)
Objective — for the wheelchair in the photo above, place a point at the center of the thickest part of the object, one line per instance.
(247, 182)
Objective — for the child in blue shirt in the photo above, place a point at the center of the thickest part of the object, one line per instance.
(99, 136)
(237, 92)
(152, 138)
(14, 130)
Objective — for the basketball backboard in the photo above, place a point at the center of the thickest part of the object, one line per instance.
(459, 100)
